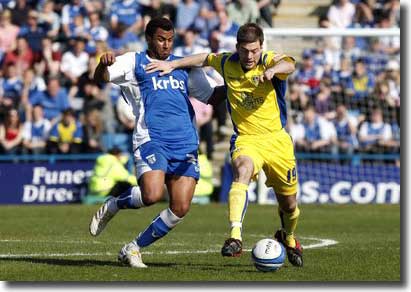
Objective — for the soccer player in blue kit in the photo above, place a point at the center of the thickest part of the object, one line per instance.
(165, 139)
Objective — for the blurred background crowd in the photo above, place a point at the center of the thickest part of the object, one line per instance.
(343, 98)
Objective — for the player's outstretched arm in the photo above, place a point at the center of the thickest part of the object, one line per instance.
(165, 67)
(101, 74)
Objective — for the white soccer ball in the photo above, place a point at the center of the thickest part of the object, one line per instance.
(268, 255)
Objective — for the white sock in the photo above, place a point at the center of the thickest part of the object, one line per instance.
(169, 218)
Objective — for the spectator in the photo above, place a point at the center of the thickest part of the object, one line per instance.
(393, 8)
(298, 98)
(22, 57)
(393, 76)
(50, 59)
(68, 14)
(127, 12)
(19, 13)
(49, 20)
(226, 32)
(350, 49)
(54, 100)
(93, 131)
(32, 85)
(323, 102)
(97, 32)
(346, 129)
(375, 136)
(189, 45)
(267, 8)
(308, 75)
(11, 133)
(79, 28)
(318, 134)
(121, 40)
(8, 32)
(376, 59)
(74, 63)
(390, 44)
(187, 12)
(360, 85)
(66, 136)
(242, 11)
(36, 131)
(364, 14)
(341, 14)
(207, 18)
(12, 88)
(340, 78)
(158, 8)
(109, 177)
(33, 33)
(89, 91)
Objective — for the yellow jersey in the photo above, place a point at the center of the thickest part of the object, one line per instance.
(256, 108)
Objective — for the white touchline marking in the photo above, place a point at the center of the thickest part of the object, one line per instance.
(321, 243)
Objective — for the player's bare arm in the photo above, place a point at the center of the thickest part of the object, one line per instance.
(165, 67)
(282, 67)
(101, 74)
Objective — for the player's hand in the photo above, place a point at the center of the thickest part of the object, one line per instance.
(268, 75)
(108, 59)
(156, 65)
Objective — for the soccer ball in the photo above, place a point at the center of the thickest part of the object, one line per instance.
(268, 255)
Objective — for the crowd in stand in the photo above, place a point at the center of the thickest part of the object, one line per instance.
(345, 95)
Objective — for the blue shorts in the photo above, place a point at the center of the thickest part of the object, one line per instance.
(179, 160)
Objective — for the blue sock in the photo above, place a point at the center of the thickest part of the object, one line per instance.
(158, 228)
(130, 199)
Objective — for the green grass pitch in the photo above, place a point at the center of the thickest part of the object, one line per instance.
(52, 243)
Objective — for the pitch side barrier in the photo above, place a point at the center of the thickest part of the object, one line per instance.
(323, 178)
(333, 179)
(44, 179)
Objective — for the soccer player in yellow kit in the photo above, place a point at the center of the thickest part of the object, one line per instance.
(255, 83)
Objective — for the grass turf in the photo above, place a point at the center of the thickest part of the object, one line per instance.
(52, 243)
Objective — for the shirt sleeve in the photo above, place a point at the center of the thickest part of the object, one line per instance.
(199, 86)
(214, 60)
(270, 59)
(122, 71)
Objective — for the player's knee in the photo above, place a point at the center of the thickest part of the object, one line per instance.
(288, 204)
(181, 209)
(244, 173)
(151, 197)
(289, 207)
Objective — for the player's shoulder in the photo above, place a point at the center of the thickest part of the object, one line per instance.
(128, 56)
(223, 55)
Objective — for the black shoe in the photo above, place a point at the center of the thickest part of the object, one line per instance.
(232, 248)
(294, 254)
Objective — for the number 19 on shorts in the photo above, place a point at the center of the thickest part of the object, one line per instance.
(291, 174)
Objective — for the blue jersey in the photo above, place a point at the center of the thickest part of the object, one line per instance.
(169, 114)
(160, 103)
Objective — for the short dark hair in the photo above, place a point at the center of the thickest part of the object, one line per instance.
(249, 33)
(158, 22)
